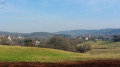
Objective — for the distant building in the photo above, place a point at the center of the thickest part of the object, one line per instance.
(37, 42)
(9, 38)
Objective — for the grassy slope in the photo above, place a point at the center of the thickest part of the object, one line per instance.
(105, 50)
(34, 54)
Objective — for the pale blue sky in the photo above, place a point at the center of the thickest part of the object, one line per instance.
(58, 15)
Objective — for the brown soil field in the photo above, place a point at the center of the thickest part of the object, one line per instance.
(101, 63)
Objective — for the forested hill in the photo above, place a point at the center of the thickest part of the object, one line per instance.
(39, 34)
(27, 35)
(101, 32)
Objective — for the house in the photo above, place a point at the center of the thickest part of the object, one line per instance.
(9, 38)
(37, 42)
(86, 38)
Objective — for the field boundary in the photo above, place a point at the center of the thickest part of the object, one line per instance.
(93, 63)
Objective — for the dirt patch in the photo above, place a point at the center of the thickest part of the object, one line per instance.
(102, 63)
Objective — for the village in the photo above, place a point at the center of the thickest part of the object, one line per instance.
(14, 40)
(94, 38)
(19, 40)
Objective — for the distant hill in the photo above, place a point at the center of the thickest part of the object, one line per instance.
(39, 35)
(71, 33)
(27, 35)
(101, 32)
(10, 33)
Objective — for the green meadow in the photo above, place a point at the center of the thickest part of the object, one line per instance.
(102, 50)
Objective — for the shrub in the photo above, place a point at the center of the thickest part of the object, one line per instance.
(116, 38)
(84, 48)
(62, 43)
(28, 42)
(5, 41)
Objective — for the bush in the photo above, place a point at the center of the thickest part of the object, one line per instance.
(62, 43)
(116, 38)
(84, 48)
(5, 41)
(28, 42)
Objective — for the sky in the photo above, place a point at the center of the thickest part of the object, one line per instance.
(27, 16)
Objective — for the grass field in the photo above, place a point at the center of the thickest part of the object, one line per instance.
(103, 50)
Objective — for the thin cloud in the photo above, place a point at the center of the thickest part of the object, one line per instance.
(103, 4)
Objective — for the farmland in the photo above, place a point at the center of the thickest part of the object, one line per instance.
(102, 50)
